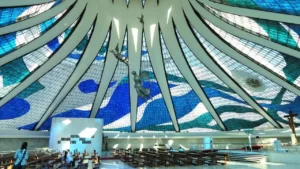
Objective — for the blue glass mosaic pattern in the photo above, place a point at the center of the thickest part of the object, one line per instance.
(291, 7)
(285, 66)
(68, 66)
(282, 33)
(145, 119)
(14, 72)
(16, 14)
(15, 40)
(28, 107)
(232, 109)
(277, 101)
(115, 107)
(47, 88)
(190, 112)
(73, 107)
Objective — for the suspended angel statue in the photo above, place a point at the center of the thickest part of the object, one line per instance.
(138, 80)
(119, 56)
(141, 19)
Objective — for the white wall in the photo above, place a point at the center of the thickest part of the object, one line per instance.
(291, 158)
(12, 144)
(76, 134)
(183, 142)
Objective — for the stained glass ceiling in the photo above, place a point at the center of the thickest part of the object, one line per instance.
(150, 66)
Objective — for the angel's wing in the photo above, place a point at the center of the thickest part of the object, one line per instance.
(145, 75)
(117, 48)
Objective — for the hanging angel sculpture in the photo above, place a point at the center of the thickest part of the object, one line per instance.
(119, 56)
(138, 85)
(141, 19)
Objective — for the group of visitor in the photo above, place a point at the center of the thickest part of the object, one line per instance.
(21, 157)
(180, 149)
(68, 158)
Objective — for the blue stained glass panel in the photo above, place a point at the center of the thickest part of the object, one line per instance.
(190, 111)
(85, 89)
(276, 100)
(145, 119)
(40, 94)
(232, 109)
(58, 79)
(13, 41)
(115, 107)
(10, 15)
(278, 32)
(17, 70)
(280, 6)
(283, 65)
(16, 14)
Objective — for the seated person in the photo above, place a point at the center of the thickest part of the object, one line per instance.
(67, 158)
(80, 155)
(62, 155)
(180, 149)
(85, 153)
(171, 149)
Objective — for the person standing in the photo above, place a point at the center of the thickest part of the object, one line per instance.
(106, 147)
(21, 157)
(70, 159)
(180, 149)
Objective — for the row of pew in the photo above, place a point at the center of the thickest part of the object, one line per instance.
(53, 161)
(7, 160)
(163, 157)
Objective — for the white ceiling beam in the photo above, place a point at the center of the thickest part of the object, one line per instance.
(107, 75)
(221, 45)
(254, 13)
(152, 37)
(238, 32)
(37, 19)
(71, 43)
(174, 48)
(200, 53)
(135, 33)
(55, 31)
(95, 43)
(18, 3)
(117, 35)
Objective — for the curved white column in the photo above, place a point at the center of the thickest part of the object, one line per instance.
(17, 3)
(80, 31)
(55, 31)
(152, 37)
(273, 16)
(200, 53)
(117, 34)
(205, 32)
(135, 33)
(236, 31)
(37, 19)
(97, 38)
(178, 57)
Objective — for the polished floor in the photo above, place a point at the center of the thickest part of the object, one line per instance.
(116, 164)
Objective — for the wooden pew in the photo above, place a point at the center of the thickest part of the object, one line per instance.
(196, 158)
(6, 166)
(166, 159)
(138, 159)
(180, 159)
(222, 158)
(151, 159)
(126, 156)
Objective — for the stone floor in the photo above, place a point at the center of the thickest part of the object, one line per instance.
(116, 164)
